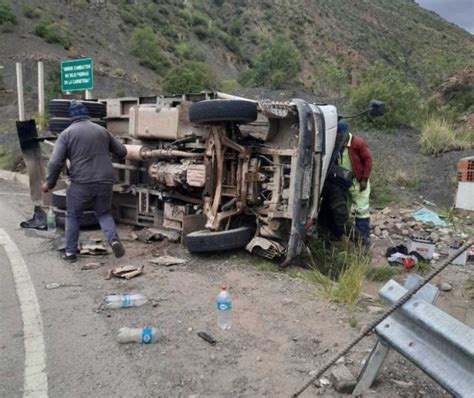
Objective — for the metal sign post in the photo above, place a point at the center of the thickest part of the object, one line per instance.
(19, 85)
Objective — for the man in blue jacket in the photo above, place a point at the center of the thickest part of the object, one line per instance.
(87, 147)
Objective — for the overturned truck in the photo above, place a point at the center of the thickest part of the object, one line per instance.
(226, 172)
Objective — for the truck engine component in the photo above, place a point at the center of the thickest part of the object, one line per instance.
(178, 174)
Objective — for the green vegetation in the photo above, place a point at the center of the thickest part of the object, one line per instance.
(6, 13)
(228, 86)
(339, 269)
(53, 80)
(189, 77)
(382, 191)
(119, 73)
(277, 63)
(330, 80)
(382, 274)
(438, 136)
(6, 159)
(53, 32)
(189, 52)
(31, 12)
(145, 46)
(263, 265)
(402, 99)
(410, 179)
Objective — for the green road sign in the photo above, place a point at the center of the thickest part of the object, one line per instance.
(77, 74)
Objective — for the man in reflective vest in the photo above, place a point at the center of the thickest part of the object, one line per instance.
(355, 156)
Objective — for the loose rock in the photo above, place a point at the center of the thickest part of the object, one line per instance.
(342, 379)
(445, 287)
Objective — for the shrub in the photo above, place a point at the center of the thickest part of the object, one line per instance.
(189, 52)
(6, 13)
(190, 77)
(53, 32)
(227, 86)
(277, 63)
(402, 99)
(119, 73)
(330, 80)
(31, 12)
(7, 162)
(439, 135)
(144, 45)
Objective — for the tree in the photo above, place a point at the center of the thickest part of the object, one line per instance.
(144, 45)
(190, 77)
(277, 63)
(402, 98)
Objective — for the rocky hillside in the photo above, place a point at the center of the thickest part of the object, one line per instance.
(136, 43)
(226, 33)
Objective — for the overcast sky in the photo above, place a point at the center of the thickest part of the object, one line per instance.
(461, 12)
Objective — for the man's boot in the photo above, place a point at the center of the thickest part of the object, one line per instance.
(363, 228)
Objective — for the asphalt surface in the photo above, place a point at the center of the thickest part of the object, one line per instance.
(82, 357)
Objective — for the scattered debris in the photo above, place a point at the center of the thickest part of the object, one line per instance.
(167, 261)
(61, 243)
(207, 337)
(93, 249)
(56, 285)
(53, 285)
(88, 266)
(127, 271)
(402, 384)
(428, 216)
(148, 235)
(342, 379)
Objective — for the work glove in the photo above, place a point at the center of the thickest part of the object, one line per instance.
(363, 184)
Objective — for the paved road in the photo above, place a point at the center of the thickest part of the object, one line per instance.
(80, 356)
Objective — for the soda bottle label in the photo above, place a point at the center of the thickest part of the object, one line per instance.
(224, 305)
(147, 336)
(126, 301)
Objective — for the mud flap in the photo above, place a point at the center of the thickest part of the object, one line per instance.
(31, 150)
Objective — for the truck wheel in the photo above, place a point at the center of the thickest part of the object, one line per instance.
(87, 220)
(208, 241)
(60, 108)
(215, 111)
(60, 202)
(57, 125)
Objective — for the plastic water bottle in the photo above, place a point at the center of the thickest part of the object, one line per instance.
(51, 221)
(224, 309)
(138, 335)
(125, 300)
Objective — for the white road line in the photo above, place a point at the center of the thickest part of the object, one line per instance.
(36, 380)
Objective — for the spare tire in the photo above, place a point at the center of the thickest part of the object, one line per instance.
(87, 220)
(209, 241)
(60, 108)
(60, 201)
(57, 125)
(215, 111)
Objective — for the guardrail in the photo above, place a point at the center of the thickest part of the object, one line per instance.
(438, 344)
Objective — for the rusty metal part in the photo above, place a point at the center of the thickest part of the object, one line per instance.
(175, 174)
(265, 247)
(140, 152)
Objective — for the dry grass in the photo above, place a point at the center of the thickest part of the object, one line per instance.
(438, 136)
(339, 269)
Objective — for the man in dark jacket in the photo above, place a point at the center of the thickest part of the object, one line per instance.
(355, 156)
(87, 146)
